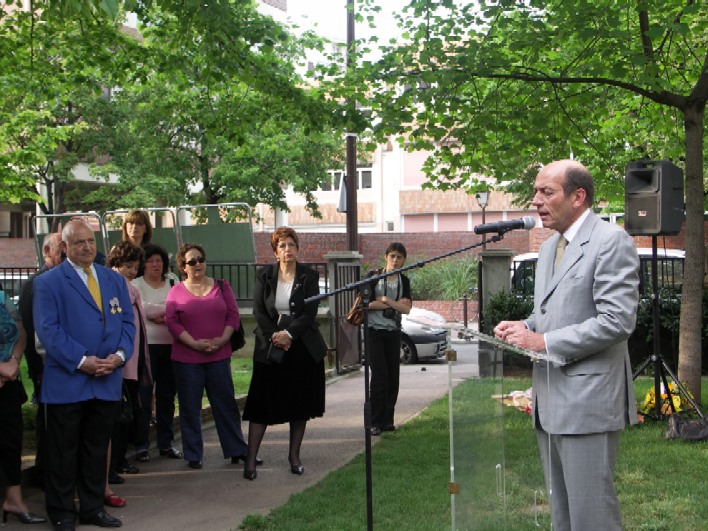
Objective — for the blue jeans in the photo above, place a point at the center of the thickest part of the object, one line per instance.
(192, 379)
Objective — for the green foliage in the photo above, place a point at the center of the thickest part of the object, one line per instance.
(505, 306)
(206, 106)
(444, 280)
(642, 339)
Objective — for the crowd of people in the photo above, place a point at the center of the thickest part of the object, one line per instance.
(110, 348)
(115, 337)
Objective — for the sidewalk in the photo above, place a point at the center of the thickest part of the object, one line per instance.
(167, 495)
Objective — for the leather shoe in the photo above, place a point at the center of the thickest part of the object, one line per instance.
(195, 465)
(375, 431)
(25, 518)
(250, 475)
(65, 525)
(114, 478)
(113, 500)
(142, 456)
(127, 469)
(235, 460)
(101, 519)
(296, 469)
(172, 453)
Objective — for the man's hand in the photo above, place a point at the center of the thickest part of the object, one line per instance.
(90, 365)
(504, 328)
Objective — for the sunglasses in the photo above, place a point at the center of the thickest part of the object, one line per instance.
(195, 261)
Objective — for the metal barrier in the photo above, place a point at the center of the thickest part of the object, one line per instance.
(13, 278)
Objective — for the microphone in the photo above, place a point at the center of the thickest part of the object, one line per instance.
(527, 223)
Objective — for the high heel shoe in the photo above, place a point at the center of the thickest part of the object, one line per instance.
(296, 469)
(250, 475)
(25, 518)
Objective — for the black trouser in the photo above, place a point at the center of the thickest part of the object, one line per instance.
(124, 433)
(384, 357)
(10, 434)
(77, 444)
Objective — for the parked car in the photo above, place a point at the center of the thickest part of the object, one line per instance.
(421, 341)
(669, 265)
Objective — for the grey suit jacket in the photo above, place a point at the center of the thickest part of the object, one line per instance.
(587, 309)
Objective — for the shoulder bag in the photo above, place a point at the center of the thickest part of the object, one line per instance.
(238, 337)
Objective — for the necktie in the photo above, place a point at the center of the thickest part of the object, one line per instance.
(93, 287)
(560, 250)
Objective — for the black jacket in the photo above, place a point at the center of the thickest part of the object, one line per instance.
(304, 326)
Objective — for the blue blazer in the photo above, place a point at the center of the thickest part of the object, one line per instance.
(70, 326)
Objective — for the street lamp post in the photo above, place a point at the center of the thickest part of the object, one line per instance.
(483, 201)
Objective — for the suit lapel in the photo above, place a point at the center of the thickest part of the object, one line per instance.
(573, 253)
(78, 285)
(272, 282)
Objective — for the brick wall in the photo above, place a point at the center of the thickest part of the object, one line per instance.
(20, 252)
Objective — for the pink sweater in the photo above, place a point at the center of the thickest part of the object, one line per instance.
(203, 318)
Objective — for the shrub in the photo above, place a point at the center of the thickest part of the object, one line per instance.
(505, 306)
(444, 280)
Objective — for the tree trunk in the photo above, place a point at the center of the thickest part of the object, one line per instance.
(691, 330)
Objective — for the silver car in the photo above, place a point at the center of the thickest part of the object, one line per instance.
(422, 341)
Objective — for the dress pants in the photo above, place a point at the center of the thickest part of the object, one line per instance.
(579, 472)
(385, 361)
(10, 434)
(77, 447)
(124, 433)
(215, 377)
(165, 392)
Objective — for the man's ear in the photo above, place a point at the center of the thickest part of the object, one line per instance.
(579, 197)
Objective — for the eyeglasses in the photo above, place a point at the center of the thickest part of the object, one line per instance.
(195, 261)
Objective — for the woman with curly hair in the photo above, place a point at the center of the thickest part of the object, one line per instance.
(126, 258)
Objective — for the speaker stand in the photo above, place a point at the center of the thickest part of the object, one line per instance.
(660, 366)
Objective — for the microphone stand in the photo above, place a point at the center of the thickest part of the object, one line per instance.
(366, 289)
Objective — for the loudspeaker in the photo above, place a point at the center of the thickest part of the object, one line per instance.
(653, 200)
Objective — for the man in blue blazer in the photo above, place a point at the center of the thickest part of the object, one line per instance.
(88, 337)
(585, 308)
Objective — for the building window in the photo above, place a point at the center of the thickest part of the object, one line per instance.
(365, 178)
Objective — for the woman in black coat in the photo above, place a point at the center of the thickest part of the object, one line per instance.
(293, 390)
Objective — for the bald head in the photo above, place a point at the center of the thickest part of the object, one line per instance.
(51, 249)
(562, 192)
(79, 243)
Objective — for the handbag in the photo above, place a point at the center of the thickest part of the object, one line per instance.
(238, 337)
(125, 408)
(276, 354)
(355, 316)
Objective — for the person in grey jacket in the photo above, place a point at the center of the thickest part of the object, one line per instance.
(585, 308)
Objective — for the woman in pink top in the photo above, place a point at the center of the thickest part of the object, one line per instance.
(201, 314)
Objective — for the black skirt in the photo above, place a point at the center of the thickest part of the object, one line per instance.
(291, 391)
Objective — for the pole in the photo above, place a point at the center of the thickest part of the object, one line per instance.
(352, 178)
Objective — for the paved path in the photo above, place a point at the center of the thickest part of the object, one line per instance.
(167, 495)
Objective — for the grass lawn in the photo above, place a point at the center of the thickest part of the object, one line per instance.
(661, 483)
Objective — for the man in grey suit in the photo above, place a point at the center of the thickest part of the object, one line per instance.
(585, 308)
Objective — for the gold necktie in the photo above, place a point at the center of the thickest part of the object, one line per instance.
(560, 250)
(93, 287)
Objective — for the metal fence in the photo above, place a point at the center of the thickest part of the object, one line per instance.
(13, 278)
(240, 276)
